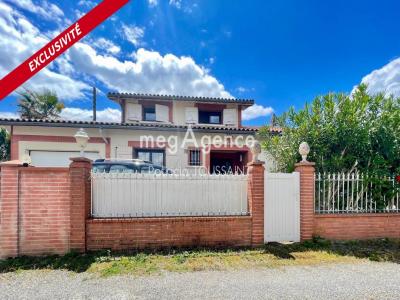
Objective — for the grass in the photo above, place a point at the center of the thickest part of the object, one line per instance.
(272, 255)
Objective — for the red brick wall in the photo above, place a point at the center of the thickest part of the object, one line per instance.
(43, 219)
(357, 226)
(118, 234)
(47, 210)
(9, 212)
(255, 194)
(80, 200)
(307, 187)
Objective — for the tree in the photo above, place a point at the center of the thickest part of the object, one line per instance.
(4, 145)
(346, 133)
(43, 105)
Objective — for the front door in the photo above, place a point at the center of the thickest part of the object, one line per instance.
(226, 162)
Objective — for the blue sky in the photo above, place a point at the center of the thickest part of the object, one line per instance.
(280, 53)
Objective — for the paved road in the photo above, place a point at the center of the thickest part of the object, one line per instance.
(355, 281)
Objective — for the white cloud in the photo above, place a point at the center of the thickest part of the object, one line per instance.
(256, 111)
(150, 72)
(145, 72)
(186, 8)
(65, 87)
(18, 40)
(152, 3)
(176, 3)
(86, 3)
(79, 14)
(44, 9)
(106, 45)
(79, 114)
(8, 115)
(133, 34)
(385, 80)
(241, 89)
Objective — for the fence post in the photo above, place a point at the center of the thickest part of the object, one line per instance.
(255, 188)
(9, 218)
(80, 191)
(307, 193)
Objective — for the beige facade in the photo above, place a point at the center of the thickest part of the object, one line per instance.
(173, 131)
(180, 112)
(122, 142)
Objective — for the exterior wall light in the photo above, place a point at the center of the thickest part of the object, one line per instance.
(82, 139)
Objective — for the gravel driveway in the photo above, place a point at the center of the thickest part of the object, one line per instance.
(340, 281)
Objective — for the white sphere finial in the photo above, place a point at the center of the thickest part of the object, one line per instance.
(304, 149)
(256, 150)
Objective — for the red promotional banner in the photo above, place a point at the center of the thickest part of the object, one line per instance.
(59, 45)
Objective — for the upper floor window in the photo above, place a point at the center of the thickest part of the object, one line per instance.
(210, 117)
(149, 113)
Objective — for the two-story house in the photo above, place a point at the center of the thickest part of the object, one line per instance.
(173, 131)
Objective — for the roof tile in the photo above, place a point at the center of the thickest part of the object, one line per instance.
(21, 121)
(112, 95)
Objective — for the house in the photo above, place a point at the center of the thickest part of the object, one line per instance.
(174, 131)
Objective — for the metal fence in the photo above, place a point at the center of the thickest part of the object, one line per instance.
(355, 193)
(155, 195)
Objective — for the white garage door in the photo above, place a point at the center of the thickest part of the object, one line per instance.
(57, 158)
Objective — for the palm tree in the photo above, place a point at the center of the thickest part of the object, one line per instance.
(4, 145)
(43, 105)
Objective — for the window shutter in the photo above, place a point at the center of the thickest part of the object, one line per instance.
(162, 113)
(134, 112)
(230, 116)
(192, 115)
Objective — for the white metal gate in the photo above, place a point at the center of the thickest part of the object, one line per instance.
(282, 207)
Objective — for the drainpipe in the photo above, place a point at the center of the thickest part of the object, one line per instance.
(106, 141)
(11, 142)
(18, 214)
(102, 135)
(94, 104)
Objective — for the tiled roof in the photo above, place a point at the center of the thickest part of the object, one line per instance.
(271, 129)
(139, 125)
(114, 95)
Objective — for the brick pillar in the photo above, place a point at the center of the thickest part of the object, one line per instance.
(9, 210)
(307, 187)
(255, 188)
(80, 191)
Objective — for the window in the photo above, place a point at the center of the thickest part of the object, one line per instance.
(121, 169)
(157, 157)
(210, 117)
(100, 168)
(149, 113)
(195, 157)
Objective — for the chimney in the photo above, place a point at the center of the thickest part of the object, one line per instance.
(94, 103)
(273, 120)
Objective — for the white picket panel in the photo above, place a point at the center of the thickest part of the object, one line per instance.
(282, 207)
(154, 195)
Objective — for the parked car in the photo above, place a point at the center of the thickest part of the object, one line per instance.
(127, 166)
